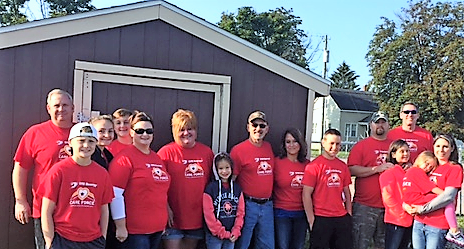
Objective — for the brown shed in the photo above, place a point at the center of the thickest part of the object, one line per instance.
(150, 56)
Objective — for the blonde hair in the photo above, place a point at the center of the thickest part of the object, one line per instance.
(182, 119)
(424, 157)
(105, 117)
(121, 112)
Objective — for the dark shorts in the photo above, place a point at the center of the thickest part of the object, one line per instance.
(173, 233)
(331, 232)
(62, 243)
(38, 234)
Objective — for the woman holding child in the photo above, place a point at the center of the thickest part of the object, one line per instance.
(430, 224)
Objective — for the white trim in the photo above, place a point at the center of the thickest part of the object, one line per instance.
(159, 10)
(359, 112)
(309, 120)
(85, 75)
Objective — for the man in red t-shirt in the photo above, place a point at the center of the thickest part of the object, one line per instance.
(366, 161)
(253, 167)
(327, 197)
(418, 139)
(41, 146)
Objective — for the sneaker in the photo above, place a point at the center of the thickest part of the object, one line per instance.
(455, 238)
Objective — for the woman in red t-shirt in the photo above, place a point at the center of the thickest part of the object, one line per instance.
(430, 224)
(141, 183)
(290, 221)
(189, 163)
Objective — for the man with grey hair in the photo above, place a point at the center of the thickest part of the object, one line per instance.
(418, 138)
(41, 146)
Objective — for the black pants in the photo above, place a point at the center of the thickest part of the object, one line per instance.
(63, 243)
(331, 232)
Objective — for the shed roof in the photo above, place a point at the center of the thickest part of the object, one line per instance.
(108, 18)
(351, 100)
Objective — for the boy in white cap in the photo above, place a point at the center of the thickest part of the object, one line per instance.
(76, 193)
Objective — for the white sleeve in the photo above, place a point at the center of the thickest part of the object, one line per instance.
(118, 208)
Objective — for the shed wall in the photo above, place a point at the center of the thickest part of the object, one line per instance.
(28, 72)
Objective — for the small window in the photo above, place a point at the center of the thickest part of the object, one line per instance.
(351, 130)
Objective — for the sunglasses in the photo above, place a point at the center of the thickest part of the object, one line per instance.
(410, 111)
(262, 126)
(141, 131)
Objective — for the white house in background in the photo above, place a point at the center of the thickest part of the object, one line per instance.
(345, 110)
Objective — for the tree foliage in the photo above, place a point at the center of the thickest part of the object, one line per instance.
(421, 59)
(275, 30)
(13, 11)
(345, 78)
(10, 13)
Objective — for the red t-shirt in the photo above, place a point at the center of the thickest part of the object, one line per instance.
(417, 187)
(254, 168)
(115, 147)
(368, 152)
(446, 175)
(41, 146)
(190, 170)
(145, 182)
(287, 184)
(79, 193)
(419, 140)
(391, 182)
(328, 178)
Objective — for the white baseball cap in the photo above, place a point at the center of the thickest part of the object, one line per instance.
(83, 130)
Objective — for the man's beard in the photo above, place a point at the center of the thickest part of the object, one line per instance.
(379, 132)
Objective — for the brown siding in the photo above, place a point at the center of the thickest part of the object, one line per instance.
(28, 72)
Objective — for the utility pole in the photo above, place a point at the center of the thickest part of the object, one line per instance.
(326, 57)
(324, 75)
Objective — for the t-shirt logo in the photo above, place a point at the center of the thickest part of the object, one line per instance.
(412, 146)
(82, 197)
(433, 179)
(227, 207)
(65, 150)
(296, 181)
(381, 157)
(194, 170)
(159, 175)
(334, 179)
(264, 168)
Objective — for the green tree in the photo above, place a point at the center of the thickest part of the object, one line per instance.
(13, 11)
(67, 7)
(421, 59)
(344, 78)
(10, 13)
(275, 30)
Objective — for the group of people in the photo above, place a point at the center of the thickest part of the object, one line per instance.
(99, 184)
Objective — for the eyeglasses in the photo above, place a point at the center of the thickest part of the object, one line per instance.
(262, 126)
(141, 131)
(410, 111)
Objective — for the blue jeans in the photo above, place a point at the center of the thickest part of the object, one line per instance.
(397, 237)
(290, 232)
(259, 224)
(213, 242)
(142, 241)
(427, 237)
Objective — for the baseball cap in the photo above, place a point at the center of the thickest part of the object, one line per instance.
(255, 115)
(82, 130)
(379, 115)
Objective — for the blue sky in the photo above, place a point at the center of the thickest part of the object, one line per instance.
(348, 24)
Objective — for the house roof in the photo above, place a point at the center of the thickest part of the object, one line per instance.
(54, 28)
(351, 100)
